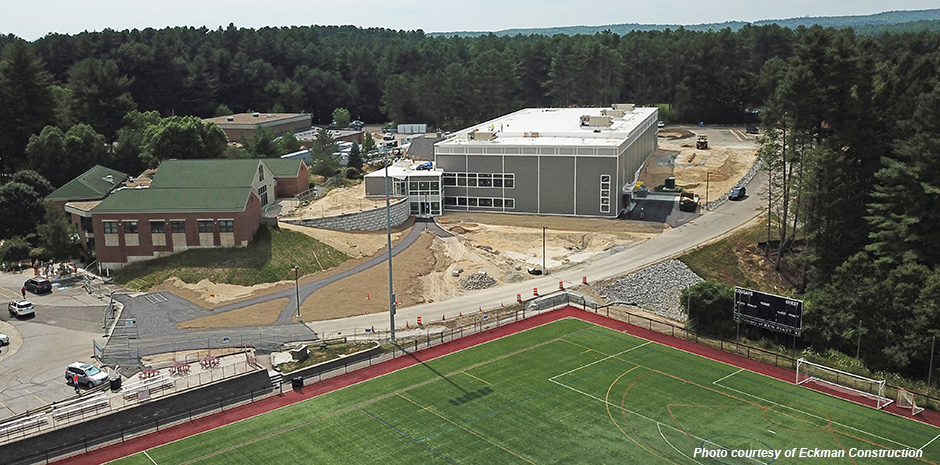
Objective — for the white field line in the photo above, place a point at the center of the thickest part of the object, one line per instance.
(151, 458)
(768, 402)
(726, 377)
(735, 134)
(660, 428)
(928, 442)
(552, 379)
(658, 423)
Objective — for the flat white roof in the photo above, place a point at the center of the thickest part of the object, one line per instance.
(555, 127)
(403, 170)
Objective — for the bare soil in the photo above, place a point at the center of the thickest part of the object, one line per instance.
(503, 246)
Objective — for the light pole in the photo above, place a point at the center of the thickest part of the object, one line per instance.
(544, 270)
(297, 290)
(388, 233)
(708, 174)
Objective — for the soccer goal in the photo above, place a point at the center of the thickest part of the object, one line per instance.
(906, 401)
(859, 388)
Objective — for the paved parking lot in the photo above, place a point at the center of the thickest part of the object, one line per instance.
(33, 365)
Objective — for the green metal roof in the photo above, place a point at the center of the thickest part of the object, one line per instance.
(205, 173)
(175, 200)
(283, 167)
(93, 184)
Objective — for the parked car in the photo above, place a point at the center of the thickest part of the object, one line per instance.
(388, 136)
(737, 193)
(660, 124)
(19, 308)
(38, 285)
(87, 374)
(357, 125)
(4, 340)
(751, 129)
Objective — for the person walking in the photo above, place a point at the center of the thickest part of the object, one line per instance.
(23, 290)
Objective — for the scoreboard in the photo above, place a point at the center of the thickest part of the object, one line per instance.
(769, 311)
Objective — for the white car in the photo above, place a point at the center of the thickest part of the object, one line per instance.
(21, 308)
(85, 373)
(660, 124)
(4, 339)
(388, 136)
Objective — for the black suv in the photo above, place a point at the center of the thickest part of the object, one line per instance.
(738, 193)
(38, 285)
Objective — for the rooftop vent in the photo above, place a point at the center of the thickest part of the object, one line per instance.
(109, 179)
(627, 107)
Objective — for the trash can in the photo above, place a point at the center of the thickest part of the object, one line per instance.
(115, 383)
(297, 382)
(670, 183)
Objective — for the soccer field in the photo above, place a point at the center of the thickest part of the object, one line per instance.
(564, 392)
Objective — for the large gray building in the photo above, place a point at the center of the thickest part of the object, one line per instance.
(552, 161)
(556, 161)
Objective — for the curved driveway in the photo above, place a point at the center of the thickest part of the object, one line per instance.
(158, 327)
(711, 226)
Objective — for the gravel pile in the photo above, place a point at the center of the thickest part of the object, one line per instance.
(478, 280)
(655, 289)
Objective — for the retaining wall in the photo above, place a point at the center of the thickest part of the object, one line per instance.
(366, 220)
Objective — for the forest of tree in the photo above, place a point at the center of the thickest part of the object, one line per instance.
(852, 126)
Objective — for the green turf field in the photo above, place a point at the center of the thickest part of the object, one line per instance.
(566, 392)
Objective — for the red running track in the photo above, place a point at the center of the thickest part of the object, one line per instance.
(207, 423)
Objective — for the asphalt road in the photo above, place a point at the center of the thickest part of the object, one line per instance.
(672, 243)
(61, 332)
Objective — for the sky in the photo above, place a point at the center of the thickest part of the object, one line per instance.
(33, 19)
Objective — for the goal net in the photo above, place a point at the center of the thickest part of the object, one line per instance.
(906, 401)
(864, 390)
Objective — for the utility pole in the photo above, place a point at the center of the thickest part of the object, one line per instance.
(930, 371)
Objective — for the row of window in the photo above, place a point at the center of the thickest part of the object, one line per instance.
(605, 193)
(501, 180)
(479, 202)
(423, 187)
(176, 226)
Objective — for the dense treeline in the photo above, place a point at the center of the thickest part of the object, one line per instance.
(851, 124)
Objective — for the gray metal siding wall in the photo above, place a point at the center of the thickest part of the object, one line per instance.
(589, 174)
(635, 155)
(376, 186)
(526, 193)
(556, 185)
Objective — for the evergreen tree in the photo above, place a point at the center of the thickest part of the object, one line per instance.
(905, 211)
(27, 102)
(355, 158)
(99, 96)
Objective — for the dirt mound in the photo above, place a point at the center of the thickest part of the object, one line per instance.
(675, 134)
(459, 230)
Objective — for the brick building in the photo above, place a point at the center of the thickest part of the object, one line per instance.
(188, 204)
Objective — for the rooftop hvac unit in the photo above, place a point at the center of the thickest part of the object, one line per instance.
(256, 114)
(596, 121)
(230, 118)
(627, 107)
(614, 113)
(481, 135)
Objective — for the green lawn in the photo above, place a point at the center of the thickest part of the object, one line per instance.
(565, 392)
(269, 257)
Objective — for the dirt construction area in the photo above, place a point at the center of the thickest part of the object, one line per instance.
(486, 249)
